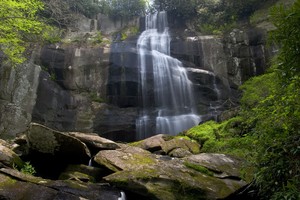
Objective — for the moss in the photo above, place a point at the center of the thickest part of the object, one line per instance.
(136, 144)
(94, 97)
(142, 159)
(199, 168)
(6, 181)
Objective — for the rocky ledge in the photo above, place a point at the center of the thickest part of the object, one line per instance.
(161, 167)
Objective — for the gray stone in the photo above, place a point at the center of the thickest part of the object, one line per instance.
(160, 178)
(94, 141)
(126, 158)
(9, 158)
(18, 87)
(15, 185)
(47, 141)
(219, 163)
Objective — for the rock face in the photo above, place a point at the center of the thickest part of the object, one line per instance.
(18, 87)
(90, 83)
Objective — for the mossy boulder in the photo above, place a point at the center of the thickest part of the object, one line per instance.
(125, 158)
(47, 141)
(223, 165)
(172, 179)
(94, 141)
(184, 145)
(151, 144)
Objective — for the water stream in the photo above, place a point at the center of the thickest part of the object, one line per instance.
(166, 93)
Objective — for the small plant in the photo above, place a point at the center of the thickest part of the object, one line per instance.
(28, 169)
(96, 98)
(98, 38)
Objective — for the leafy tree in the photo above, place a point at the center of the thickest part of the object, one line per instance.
(185, 9)
(275, 115)
(123, 8)
(18, 21)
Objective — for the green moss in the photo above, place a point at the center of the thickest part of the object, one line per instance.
(6, 181)
(94, 97)
(198, 168)
(142, 159)
(136, 144)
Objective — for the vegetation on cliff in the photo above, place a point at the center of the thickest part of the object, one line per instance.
(266, 132)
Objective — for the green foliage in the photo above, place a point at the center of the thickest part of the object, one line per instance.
(28, 169)
(271, 106)
(183, 9)
(96, 98)
(123, 9)
(18, 24)
(225, 137)
(98, 38)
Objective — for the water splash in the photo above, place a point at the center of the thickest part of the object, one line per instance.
(166, 99)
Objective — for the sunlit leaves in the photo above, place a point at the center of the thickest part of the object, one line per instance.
(18, 18)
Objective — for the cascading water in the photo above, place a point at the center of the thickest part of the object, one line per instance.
(167, 102)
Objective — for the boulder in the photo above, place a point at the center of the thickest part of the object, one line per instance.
(223, 165)
(163, 177)
(15, 185)
(82, 173)
(183, 143)
(125, 158)
(169, 144)
(179, 153)
(8, 157)
(152, 144)
(169, 179)
(94, 141)
(47, 141)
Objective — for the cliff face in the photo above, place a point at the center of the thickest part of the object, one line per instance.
(93, 87)
(18, 90)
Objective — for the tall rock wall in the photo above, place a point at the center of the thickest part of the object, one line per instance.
(18, 89)
(93, 87)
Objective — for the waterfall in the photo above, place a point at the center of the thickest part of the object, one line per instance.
(166, 96)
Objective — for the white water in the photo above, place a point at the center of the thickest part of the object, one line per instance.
(167, 101)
